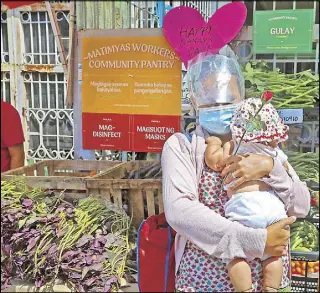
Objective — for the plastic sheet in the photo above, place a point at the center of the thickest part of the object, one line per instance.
(215, 79)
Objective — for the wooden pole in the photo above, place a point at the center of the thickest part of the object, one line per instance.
(71, 54)
(57, 34)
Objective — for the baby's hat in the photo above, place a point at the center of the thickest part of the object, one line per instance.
(265, 126)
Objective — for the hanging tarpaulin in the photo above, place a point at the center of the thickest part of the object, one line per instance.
(15, 4)
(131, 99)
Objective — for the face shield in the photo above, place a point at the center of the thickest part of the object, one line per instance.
(214, 80)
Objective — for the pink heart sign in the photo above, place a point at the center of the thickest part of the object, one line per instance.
(189, 34)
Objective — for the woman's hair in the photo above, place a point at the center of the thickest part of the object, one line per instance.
(215, 78)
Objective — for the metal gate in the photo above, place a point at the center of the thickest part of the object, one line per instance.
(33, 78)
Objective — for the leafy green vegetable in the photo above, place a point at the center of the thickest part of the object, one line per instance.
(45, 238)
(300, 90)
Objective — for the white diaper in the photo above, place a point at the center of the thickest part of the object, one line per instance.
(256, 209)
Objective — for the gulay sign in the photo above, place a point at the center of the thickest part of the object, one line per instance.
(282, 31)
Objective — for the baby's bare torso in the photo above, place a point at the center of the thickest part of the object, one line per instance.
(254, 185)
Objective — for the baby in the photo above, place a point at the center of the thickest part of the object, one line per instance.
(253, 203)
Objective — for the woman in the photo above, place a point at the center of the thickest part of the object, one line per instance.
(193, 200)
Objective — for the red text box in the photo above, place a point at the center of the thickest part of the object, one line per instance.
(106, 131)
(150, 132)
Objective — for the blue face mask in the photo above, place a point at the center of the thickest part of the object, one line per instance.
(216, 120)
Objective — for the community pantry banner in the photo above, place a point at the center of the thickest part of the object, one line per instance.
(131, 92)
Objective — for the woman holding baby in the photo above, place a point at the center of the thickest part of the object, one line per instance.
(232, 236)
(228, 189)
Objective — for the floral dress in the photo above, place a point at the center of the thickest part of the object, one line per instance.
(199, 272)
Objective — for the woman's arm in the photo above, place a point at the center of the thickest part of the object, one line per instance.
(286, 184)
(208, 230)
(16, 156)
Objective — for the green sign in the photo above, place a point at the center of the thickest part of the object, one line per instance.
(283, 31)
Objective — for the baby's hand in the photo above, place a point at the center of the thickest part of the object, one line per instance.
(217, 168)
(228, 149)
(216, 153)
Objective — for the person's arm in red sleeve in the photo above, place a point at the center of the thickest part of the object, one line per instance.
(12, 136)
(17, 156)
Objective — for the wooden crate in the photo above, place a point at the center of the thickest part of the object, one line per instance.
(143, 197)
(69, 175)
(119, 171)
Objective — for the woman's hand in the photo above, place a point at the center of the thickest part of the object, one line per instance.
(242, 168)
(278, 237)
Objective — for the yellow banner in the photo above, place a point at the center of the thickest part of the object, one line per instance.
(130, 75)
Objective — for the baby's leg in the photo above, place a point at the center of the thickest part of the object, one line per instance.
(272, 274)
(240, 275)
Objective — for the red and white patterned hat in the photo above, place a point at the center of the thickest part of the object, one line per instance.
(265, 127)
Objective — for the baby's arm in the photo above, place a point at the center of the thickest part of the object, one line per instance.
(215, 152)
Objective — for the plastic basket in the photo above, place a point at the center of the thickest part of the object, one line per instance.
(307, 281)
